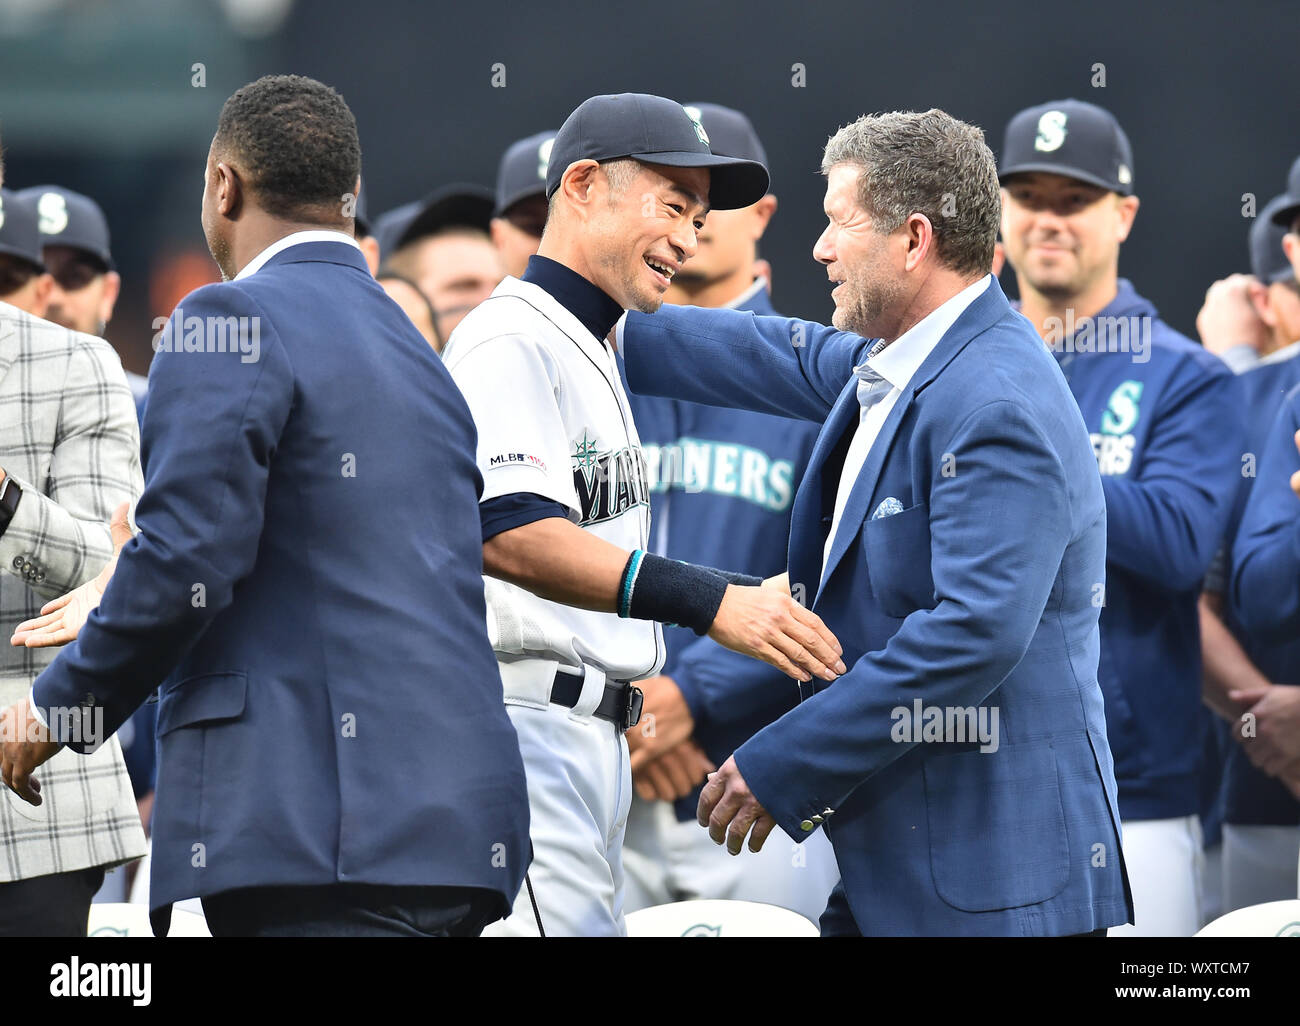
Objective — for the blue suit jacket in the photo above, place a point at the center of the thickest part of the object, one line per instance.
(306, 589)
(983, 590)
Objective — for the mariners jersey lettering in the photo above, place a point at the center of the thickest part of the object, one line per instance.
(553, 420)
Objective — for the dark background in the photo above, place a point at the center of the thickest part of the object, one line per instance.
(99, 96)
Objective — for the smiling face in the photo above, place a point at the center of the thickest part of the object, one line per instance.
(641, 230)
(865, 266)
(1062, 235)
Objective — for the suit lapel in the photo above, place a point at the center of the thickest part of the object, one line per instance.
(811, 503)
(988, 308)
(855, 509)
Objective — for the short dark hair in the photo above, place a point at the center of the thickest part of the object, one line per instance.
(928, 163)
(297, 142)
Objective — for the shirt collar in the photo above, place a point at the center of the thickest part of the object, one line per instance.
(903, 357)
(590, 304)
(1281, 355)
(739, 302)
(294, 239)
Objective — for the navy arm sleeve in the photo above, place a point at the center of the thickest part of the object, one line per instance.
(506, 512)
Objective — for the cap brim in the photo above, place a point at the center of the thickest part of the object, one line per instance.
(733, 183)
(1285, 217)
(18, 254)
(1067, 172)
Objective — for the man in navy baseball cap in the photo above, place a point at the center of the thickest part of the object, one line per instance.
(520, 213)
(1167, 429)
(440, 244)
(24, 282)
(1287, 216)
(75, 244)
(1072, 138)
(657, 131)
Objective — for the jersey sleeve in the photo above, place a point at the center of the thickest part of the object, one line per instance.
(513, 387)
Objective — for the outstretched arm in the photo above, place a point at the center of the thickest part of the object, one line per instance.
(733, 358)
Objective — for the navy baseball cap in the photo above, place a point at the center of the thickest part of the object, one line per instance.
(67, 218)
(452, 206)
(653, 130)
(1268, 262)
(522, 173)
(1072, 138)
(730, 132)
(1289, 210)
(19, 236)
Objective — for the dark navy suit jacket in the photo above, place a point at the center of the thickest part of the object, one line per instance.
(983, 588)
(306, 589)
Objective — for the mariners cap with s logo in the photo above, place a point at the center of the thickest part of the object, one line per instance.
(730, 133)
(1072, 138)
(67, 218)
(653, 130)
(522, 172)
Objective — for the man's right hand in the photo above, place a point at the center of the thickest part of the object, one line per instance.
(1228, 317)
(61, 619)
(769, 625)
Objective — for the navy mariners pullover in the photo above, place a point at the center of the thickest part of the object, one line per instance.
(723, 482)
(1168, 432)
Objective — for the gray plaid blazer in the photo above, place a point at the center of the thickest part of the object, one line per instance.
(68, 437)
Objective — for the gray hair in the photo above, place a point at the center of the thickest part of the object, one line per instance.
(929, 164)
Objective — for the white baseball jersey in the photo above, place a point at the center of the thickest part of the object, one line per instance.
(553, 419)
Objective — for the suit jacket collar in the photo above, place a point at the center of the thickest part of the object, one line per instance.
(986, 310)
(331, 246)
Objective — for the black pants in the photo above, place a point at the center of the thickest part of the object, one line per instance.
(56, 905)
(352, 910)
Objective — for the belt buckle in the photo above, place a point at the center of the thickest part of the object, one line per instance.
(635, 700)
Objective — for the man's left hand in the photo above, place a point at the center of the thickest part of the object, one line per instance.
(730, 810)
(24, 745)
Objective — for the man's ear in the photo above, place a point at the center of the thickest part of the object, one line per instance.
(1291, 247)
(229, 190)
(763, 211)
(1257, 292)
(41, 293)
(1128, 212)
(112, 289)
(578, 182)
(920, 239)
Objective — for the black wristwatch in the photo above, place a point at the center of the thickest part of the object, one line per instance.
(11, 494)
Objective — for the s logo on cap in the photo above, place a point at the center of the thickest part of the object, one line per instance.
(1051, 131)
(53, 211)
(694, 114)
(544, 157)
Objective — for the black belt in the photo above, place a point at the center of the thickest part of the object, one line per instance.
(620, 704)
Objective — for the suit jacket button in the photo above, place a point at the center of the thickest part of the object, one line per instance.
(828, 812)
(816, 819)
(806, 825)
(40, 576)
(18, 562)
